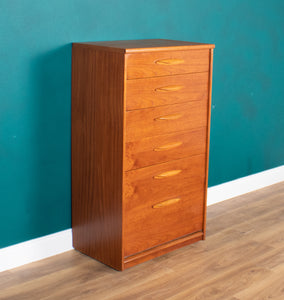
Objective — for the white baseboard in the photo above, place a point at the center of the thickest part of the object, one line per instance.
(36, 249)
(49, 245)
(244, 185)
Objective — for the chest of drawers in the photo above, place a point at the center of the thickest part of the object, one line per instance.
(140, 139)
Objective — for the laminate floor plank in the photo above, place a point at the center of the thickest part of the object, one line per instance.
(245, 200)
(270, 288)
(242, 258)
(212, 270)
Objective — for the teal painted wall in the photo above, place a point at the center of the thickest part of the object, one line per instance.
(35, 70)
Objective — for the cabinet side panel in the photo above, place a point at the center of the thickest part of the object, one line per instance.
(97, 153)
(208, 138)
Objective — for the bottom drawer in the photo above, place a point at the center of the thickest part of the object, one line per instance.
(155, 226)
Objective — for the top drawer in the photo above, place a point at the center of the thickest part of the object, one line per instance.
(151, 64)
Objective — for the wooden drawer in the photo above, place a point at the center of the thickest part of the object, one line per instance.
(150, 227)
(160, 206)
(149, 92)
(165, 119)
(151, 64)
(163, 148)
(152, 184)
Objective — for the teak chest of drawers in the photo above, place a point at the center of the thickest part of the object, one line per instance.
(140, 139)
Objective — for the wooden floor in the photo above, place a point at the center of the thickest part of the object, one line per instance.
(242, 258)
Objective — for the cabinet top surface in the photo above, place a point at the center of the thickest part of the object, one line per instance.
(130, 46)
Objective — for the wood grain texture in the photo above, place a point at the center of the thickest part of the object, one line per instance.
(141, 65)
(154, 150)
(208, 138)
(142, 188)
(242, 258)
(143, 93)
(162, 249)
(138, 145)
(97, 153)
(145, 227)
(146, 45)
(149, 123)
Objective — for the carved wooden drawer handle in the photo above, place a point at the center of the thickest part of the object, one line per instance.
(169, 88)
(170, 117)
(168, 146)
(166, 203)
(167, 174)
(169, 61)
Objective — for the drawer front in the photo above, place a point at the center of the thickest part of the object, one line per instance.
(154, 150)
(155, 226)
(154, 183)
(165, 119)
(151, 64)
(150, 92)
(161, 204)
